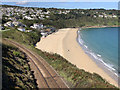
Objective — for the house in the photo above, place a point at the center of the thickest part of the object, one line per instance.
(105, 16)
(47, 16)
(21, 29)
(42, 15)
(28, 30)
(47, 31)
(101, 15)
(44, 34)
(37, 26)
(28, 17)
(82, 12)
(114, 16)
(94, 16)
(16, 23)
(9, 24)
(41, 18)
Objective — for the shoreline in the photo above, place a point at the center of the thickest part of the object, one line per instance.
(99, 26)
(59, 43)
(100, 63)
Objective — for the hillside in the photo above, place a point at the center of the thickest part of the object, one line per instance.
(60, 18)
(29, 38)
(16, 72)
(75, 78)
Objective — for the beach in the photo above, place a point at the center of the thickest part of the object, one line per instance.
(64, 43)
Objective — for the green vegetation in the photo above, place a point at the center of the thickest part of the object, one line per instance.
(73, 18)
(62, 21)
(16, 72)
(29, 38)
(76, 19)
(75, 78)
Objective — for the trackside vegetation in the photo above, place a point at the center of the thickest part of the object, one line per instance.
(16, 72)
(74, 77)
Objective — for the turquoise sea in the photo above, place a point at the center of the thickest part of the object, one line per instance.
(101, 44)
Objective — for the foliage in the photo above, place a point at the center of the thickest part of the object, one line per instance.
(16, 72)
(30, 38)
(77, 77)
(74, 77)
(75, 18)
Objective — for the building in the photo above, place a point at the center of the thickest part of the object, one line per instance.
(44, 34)
(114, 16)
(28, 30)
(21, 29)
(9, 24)
(101, 16)
(16, 23)
(37, 26)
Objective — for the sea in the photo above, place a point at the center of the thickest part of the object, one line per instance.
(101, 44)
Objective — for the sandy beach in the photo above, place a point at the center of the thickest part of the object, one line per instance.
(64, 43)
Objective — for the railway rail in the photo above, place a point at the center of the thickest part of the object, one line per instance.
(45, 75)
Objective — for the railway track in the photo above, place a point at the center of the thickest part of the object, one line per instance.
(46, 76)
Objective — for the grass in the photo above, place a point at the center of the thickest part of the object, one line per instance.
(29, 38)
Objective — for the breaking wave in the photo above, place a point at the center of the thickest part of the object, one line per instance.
(95, 56)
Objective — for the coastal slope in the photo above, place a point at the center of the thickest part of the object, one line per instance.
(64, 43)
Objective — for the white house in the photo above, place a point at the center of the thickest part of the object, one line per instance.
(47, 16)
(101, 15)
(42, 15)
(94, 16)
(82, 12)
(44, 34)
(105, 16)
(16, 23)
(28, 30)
(28, 17)
(21, 29)
(37, 26)
(9, 24)
(114, 16)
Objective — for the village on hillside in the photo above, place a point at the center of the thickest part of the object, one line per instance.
(13, 19)
(29, 19)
